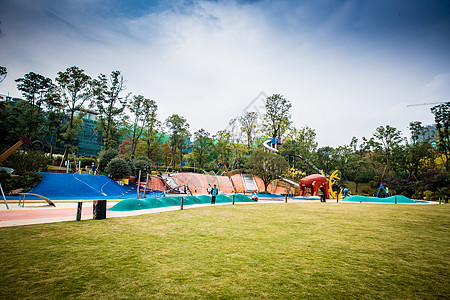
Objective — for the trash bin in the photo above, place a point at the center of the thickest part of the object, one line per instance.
(99, 207)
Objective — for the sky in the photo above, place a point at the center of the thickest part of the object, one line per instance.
(346, 66)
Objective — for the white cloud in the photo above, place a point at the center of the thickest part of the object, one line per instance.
(208, 62)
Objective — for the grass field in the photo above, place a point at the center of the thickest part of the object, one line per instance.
(273, 251)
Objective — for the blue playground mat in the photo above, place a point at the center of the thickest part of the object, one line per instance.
(60, 186)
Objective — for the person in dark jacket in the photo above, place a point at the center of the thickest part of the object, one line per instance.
(214, 192)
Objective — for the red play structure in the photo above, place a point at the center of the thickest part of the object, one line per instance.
(314, 182)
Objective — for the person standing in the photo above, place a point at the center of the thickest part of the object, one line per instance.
(214, 192)
(209, 189)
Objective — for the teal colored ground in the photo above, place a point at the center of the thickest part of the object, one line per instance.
(148, 203)
(365, 199)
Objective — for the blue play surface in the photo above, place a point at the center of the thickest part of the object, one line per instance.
(59, 186)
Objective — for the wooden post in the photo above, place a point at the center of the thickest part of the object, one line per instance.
(233, 199)
(395, 200)
(79, 208)
(337, 198)
(285, 199)
(139, 184)
(182, 203)
(146, 184)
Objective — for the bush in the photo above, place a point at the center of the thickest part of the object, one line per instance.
(27, 181)
(105, 157)
(143, 164)
(118, 168)
(23, 162)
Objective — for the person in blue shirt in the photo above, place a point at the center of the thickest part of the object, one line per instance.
(214, 192)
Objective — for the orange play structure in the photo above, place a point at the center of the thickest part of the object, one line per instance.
(314, 182)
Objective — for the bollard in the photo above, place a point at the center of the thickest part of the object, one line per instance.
(337, 198)
(285, 199)
(233, 199)
(80, 205)
(182, 203)
(395, 200)
(439, 200)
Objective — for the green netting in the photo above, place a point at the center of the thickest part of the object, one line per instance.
(149, 203)
(363, 199)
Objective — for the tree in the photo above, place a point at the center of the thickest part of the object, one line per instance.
(442, 118)
(248, 126)
(325, 157)
(142, 109)
(300, 149)
(178, 133)
(222, 148)
(118, 168)
(35, 88)
(110, 106)
(268, 166)
(389, 138)
(143, 164)
(277, 118)
(152, 123)
(76, 89)
(202, 147)
(3, 73)
(105, 157)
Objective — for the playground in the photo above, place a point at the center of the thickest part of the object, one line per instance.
(270, 250)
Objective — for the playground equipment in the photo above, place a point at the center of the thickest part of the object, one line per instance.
(331, 181)
(249, 183)
(224, 164)
(382, 188)
(37, 145)
(314, 182)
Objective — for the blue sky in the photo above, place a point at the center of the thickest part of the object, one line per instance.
(346, 66)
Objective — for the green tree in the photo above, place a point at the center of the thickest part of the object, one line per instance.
(300, 149)
(268, 166)
(277, 118)
(151, 133)
(178, 128)
(389, 138)
(110, 106)
(34, 88)
(203, 145)
(143, 164)
(3, 73)
(105, 157)
(76, 90)
(248, 126)
(326, 159)
(118, 168)
(223, 149)
(138, 106)
(442, 118)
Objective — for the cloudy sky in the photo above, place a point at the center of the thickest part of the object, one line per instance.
(346, 66)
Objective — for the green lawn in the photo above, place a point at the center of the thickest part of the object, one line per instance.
(273, 251)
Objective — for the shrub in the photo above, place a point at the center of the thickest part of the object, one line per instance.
(142, 164)
(118, 168)
(106, 157)
(27, 181)
(23, 162)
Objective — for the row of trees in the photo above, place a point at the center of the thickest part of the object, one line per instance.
(385, 157)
